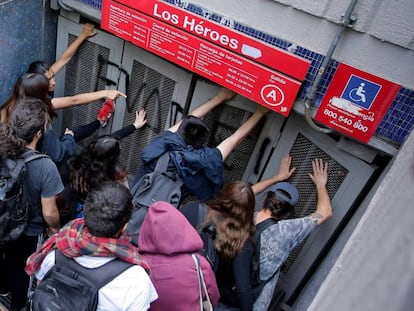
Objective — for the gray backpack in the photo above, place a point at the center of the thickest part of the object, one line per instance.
(14, 207)
(158, 185)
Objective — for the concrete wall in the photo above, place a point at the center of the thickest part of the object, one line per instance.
(381, 40)
(27, 34)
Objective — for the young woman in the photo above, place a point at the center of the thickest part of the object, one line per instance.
(99, 162)
(59, 152)
(49, 71)
(231, 214)
(43, 68)
(88, 31)
(35, 85)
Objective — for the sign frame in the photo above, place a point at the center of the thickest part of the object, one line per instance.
(356, 102)
(152, 25)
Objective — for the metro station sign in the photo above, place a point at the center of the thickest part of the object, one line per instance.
(263, 73)
(356, 102)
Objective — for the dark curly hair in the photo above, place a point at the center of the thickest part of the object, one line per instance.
(98, 162)
(28, 117)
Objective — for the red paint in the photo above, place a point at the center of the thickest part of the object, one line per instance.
(240, 74)
(356, 102)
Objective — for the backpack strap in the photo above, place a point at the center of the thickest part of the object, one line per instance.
(162, 167)
(210, 230)
(98, 276)
(30, 155)
(260, 227)
(162, 162)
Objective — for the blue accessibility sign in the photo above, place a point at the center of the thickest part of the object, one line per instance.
(360, 91)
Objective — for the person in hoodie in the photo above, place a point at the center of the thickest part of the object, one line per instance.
(200, 167)
(166, 242)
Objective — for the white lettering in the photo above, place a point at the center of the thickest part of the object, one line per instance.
(214, 35)
(278, 79)
(166, 15)
(199, 28)
(155, 11)
(272, 94)
(234, 59)
(224, 39)
(234, 43)
(189, 23)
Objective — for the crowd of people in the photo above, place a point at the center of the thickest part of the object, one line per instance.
(80, 203)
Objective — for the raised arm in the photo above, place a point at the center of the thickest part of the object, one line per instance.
(320, 178)
(140, 119)
(87, 32)
(223, 95)
(84, 98)
(227, 145)
(284, 173)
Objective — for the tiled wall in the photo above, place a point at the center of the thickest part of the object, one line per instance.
(27, 34)
(397, 123)
(97, 4)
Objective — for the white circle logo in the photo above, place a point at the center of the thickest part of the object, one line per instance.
(272, 95)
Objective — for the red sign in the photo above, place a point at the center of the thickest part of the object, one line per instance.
(356, 102)
(261, 52)
(220, 64)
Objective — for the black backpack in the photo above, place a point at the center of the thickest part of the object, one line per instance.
(14, 207)
(257, 284)
(158, 185)
(208, 235)
(70, 286)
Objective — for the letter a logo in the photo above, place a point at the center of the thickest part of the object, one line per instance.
(272, 95)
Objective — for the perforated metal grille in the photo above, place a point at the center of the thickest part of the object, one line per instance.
(224, 121)
(152, 91)
(83, 74)
(303, 152)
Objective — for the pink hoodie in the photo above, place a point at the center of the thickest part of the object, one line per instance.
(166, 242)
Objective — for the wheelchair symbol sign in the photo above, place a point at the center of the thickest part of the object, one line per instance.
(361, 92)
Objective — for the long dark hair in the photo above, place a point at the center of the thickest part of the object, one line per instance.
(98, 162)
(26, 118)
(232, 212)
(29, 85)
(38, 67)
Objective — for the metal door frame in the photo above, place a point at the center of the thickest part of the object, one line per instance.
(358, 175)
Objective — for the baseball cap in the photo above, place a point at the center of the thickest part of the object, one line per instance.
(287, 192)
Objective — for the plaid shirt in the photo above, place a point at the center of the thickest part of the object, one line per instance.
(74, 240)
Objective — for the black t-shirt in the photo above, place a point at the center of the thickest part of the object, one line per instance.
(233, 279)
